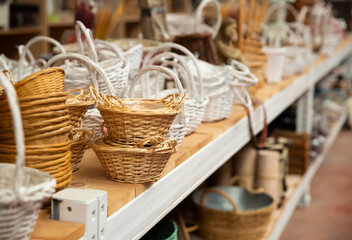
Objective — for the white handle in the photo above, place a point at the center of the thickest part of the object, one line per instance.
(3, 64)
(104, 45)
(18, 133)
(26, 51)
(89, 65)
(200, 94)
(244, 97)
(159, 69)
(200, 15)
(80, 28)
(182, 65)
(277, 6)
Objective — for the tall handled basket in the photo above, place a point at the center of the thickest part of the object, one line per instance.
(22, 189)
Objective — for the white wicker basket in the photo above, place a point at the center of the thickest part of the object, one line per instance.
(116, 69)
(179, 24)
(22, 189)
(195, 105)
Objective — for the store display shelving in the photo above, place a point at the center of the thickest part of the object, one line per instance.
(208, 149)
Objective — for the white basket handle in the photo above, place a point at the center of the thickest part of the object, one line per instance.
(3, 64)
(198, 95)
(25, 51)
(305, 32)
(159, 69)
(80, 28)
(182, 65)
(277, 6)
(200, 16)
(104, 45)
(88, 63)
(18, 134)
(244, 97)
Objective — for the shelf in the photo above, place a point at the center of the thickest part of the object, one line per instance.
(135, 208)
(61, 24)
(20, 30)
(285, 214)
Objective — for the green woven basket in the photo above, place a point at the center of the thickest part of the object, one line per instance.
(166, 229)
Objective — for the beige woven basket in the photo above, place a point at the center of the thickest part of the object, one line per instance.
(79, 143)
(134, 162)
(22, 189)
(136, 117)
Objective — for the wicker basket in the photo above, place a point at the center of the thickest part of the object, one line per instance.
(195, 105)
(22, 189)
(78, 105)
(139, 118)
(134, 162)
(229, 212)
(299, 149)
(180, 24)
(79, 143)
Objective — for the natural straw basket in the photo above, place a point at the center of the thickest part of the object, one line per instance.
(78, 105)
(22, 189)
(134, 162)
(49, 80)
(79, 143)
(237, 213)
(137, 117)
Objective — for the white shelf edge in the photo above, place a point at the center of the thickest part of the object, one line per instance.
(308, 176)
(134, 219)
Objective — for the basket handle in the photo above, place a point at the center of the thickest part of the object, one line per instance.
(277, 6)
(200, 16)
(240, 179)
(79, 29)
(182, 65)
(109, 46)
(159, 69)
(218, 191)
(29, 44)
(3, 64)
(196, 94)
(18, 133)
(244, 97)
(88, 63)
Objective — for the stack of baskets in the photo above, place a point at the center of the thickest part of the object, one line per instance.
(135, 148)
(46, 123)
(22, 189)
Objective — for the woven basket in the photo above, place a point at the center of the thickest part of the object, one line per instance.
(22, 189)
(195, 105)
(134, 162)
(179, 24)
(78, 105)
(116, 69)
(27, 68)
(233, 212)
(79, 143)
(49, 80)
(139, 118)
(299, 149)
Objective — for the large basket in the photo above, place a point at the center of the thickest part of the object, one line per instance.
(195, 105)
(22, 189)
(139, 118)
(299, 149)
(134, 162)
(228, 212)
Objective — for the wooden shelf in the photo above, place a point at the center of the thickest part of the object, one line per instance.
(20, 30)
(61, 24)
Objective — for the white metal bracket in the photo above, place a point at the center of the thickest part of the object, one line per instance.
(88, 206)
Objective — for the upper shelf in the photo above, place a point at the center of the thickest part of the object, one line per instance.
(20, 30)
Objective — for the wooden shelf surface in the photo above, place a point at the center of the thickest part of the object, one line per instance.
(20, 30)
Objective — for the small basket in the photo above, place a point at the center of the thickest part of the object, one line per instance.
(299, 149)
(195, 105)
(228, 212)
(139, 118)
(50, 80)
(22, 189)
(134, 162)
(79, 143)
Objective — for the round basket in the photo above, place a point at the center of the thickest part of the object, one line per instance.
(79, 143)
(139, 118)
(195, 105)
(228, 212)
(22, 189)
(166, 229)
(134, 162)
